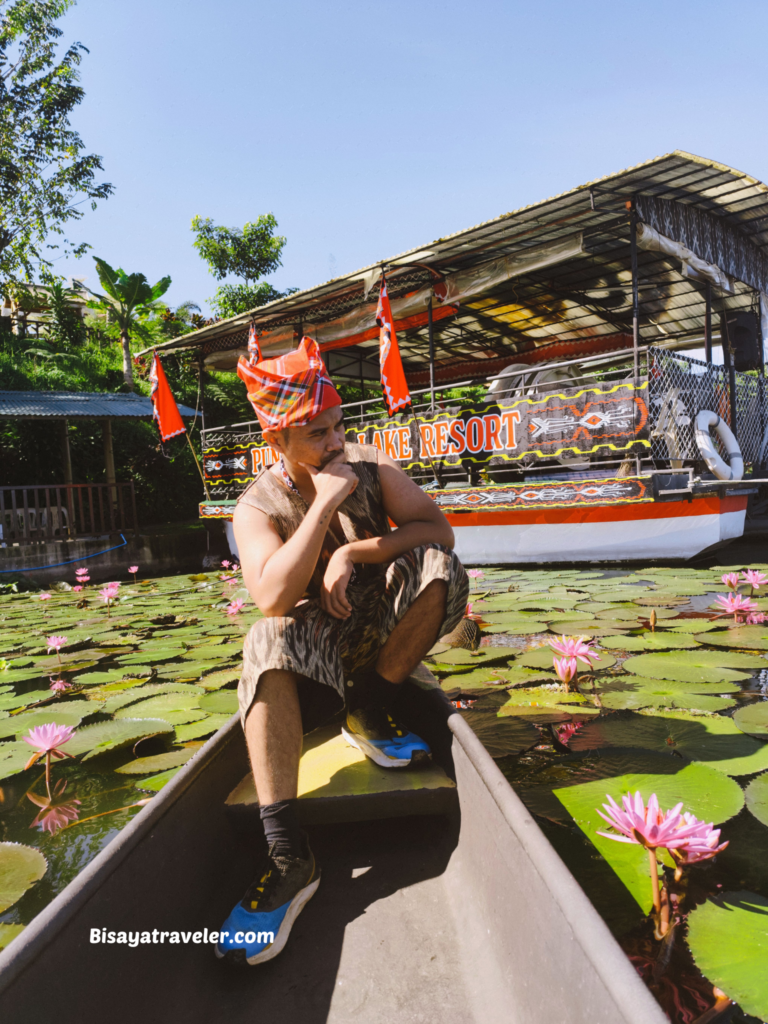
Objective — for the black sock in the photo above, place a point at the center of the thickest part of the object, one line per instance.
(368, 688)
(281, 827)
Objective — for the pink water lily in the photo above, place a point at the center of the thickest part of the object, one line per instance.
(47, 739)
(735, 604)
(565, 732)
(731, 580)
(225, 563)
(236, 606)
(133, 569)
(51, 817)
(77, 589)
(755, 579)
(45, 597)
(59, 686)
(81, 572)
(647, 825)
(108, 594)
(565, 668)
(575, 647)
(55, 643)
(755, 618)
(702, 845)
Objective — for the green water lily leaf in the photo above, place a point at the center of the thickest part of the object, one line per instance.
(156, 782)
(11, 701)
(215, 680)
(151, 656)
(222, 702)
(13, 758)
(728, 936)
(546, 704)
(8, 933)
(694, 626)
(708, 794)
(695, 666)
(485, 655)
(588, 628)
(479, 677)
(754, 638)
(663, 696)
(757, 797)
(157, 763)
(502, 737)
(516, 627)
(71, 713)
(753, 719)
(542, 657)
(205, 727)
(160, 705)
(710, 739)
(20, 867)
(91, 740)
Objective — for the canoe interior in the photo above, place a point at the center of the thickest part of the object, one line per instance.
(464, 917)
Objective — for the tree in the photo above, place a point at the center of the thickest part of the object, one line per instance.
(249, 253)
(128, 298)
(44, 173)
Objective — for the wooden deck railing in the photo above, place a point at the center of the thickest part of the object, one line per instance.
(30, 515)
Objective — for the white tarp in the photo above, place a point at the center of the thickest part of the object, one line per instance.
(692, 266)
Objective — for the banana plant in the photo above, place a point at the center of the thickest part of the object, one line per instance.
(128, 297)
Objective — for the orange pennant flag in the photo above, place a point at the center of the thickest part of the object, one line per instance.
(393, 381)
(166, 412)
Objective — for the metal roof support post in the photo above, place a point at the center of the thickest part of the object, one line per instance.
(201, 389)
(730, 356)
(66, 458)
(635, 290)
(708, 325)
(66, 455)
(431, 333)
(109, 460)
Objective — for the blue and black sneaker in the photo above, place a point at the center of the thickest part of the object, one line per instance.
(374, 732)
(259, 926)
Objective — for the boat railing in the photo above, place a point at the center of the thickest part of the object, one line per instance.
(681, 387)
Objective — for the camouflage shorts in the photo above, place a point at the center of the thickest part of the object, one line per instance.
(325, 650)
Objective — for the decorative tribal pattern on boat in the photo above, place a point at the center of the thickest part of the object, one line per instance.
(545, 495)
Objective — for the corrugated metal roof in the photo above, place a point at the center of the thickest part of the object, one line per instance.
(78, 404)
(592, 208)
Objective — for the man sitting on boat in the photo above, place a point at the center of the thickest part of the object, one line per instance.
(350, 608)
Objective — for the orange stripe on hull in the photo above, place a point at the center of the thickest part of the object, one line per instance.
(705, 506)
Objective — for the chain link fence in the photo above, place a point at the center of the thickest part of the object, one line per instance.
(680, 387)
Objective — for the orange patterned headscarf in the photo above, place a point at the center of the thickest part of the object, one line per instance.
(291, 390)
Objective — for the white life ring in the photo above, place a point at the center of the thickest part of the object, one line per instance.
(735, 471)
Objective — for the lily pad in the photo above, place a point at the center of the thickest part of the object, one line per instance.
(754, 638)
(91, 740)
(160, 705)
(753, 719)
(483, 656)
(157, 763)
(222, 702)
(757, 797)
(542, 657)
(13, 758)
(588, 628)
(543, 702)
(8, 933)
(692, 626)
(479, 677)
(663, 695)
(695, 666)
(205, 727)
(710, 739)
(215, 680)
(20, 867)
(502, 736)
(156, 782)
(704, 792)
(72, 713)
(728, 936)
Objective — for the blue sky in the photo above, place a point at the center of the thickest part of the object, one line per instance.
(371, 128)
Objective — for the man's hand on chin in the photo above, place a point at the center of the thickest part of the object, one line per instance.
(333, 593)
(334, 482)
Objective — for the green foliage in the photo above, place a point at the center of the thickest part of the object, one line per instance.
(65, 325)
(231, 299)
(130, 299)
(249, 253)
(44, 173)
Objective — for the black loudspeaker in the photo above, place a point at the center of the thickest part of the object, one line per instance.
(742, 338)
